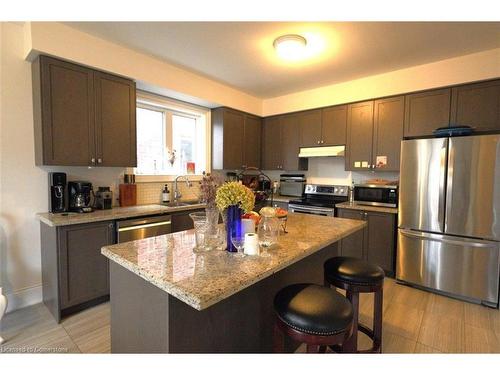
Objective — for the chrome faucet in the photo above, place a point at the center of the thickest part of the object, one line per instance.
(177, 193)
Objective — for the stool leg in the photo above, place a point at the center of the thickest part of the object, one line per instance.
(378, 307)
(278, 339)
(351, 345)
(312, 348)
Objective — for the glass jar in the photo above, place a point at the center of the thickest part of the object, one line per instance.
(268, 230)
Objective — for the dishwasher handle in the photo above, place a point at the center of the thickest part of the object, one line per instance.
(134, 227)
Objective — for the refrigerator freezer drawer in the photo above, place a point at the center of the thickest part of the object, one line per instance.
(464, 267)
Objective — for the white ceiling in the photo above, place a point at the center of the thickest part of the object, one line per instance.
(240, 54)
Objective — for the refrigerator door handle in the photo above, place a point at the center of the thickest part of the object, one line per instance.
(442, 185)
(441, 238)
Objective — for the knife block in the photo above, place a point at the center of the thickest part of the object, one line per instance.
(128, 195)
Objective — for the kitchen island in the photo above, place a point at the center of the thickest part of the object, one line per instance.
(166, 298)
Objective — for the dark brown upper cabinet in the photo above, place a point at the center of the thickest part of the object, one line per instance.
(388, 119)
(271, 143)
(115, 121)
(82, 117)
(426, 111)
(236, 139)
(310, 128)
(359, 136)
(334, 125)
(281, 144)
(477, 105)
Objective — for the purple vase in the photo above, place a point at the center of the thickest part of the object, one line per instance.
(233, 225)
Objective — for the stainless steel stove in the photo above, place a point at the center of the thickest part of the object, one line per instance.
(320, 199)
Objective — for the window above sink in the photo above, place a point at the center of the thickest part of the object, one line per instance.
(172, 137)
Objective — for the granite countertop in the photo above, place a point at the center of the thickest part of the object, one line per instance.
(283, 198)
(362, 207)
(203, 279)
(71, 218)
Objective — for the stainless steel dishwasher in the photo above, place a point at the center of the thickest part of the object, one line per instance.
(136, 229)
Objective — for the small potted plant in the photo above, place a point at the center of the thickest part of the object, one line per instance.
(232, 199)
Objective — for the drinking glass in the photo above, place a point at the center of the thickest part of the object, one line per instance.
(201, 229)
(238, 240)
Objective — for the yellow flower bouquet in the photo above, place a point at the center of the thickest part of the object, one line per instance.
(234, 194)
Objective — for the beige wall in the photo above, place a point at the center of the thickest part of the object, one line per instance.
(468, 68)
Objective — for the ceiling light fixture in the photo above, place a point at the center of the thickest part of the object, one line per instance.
(290, 47)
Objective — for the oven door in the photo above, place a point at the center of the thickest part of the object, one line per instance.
(311, 210)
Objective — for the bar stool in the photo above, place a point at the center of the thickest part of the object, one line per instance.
(357, 276)
(312, 314)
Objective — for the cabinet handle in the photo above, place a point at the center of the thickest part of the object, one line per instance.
(111, 225)
(318, 142)
(92, 160)
(99, 160)
(322, 141)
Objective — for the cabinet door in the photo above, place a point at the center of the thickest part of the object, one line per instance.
(388, 132)
(426, 111)
(290, 142)
(233, 130)
(477, 105)
(380, 240)
(310, 128)
(84, 271)
(115, 121)
(64, 113)
(333, 125)
(352, 246)
(271, 141)
(181, 221)
(359, 136)
(252, 141)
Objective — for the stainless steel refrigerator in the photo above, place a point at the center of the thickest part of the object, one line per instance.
(449, 216)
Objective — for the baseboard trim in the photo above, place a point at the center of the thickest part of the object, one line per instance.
(24, 297)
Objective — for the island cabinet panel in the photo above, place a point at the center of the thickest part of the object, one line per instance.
(334, 125)
(84, 271)
(145, 319)
(388, 133)
(376, 243)
(477, 105)
(271, 143)
(310, 128)
(63, 101)
(426, 111)
(115, 121)
(359, 136)
(82, 117)
(236, 139)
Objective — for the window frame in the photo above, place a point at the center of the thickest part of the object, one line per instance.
(171, 107)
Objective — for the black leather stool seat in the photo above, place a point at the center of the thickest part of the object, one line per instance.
(313, 309)
(353, 270)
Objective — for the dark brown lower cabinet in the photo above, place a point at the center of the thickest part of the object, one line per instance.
(75, 274)
(181, 221)
(376, 243)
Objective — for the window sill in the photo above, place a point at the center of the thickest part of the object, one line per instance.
(164, 178)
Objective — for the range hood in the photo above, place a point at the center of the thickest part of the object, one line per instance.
(314, 152)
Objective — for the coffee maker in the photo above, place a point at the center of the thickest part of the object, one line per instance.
(80, 194)
(57, 192)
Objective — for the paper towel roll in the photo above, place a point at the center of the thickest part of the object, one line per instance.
(248, 225)
(251, 244)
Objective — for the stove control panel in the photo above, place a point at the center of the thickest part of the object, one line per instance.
(336, 190)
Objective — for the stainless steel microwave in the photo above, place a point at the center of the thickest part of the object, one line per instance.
(376, 195)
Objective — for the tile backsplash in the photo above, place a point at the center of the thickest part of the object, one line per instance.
(150, 192)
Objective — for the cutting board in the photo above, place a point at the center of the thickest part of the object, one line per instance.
(128, 195)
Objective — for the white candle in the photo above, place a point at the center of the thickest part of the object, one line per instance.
(251, 244)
